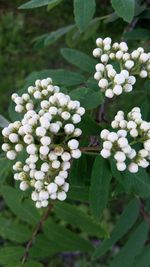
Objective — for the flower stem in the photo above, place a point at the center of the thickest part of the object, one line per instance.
(35, 232)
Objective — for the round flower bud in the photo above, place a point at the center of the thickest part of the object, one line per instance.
(105, 153)
(97, 52)
(76, 153)
(61, 196)
(121, 166)
(52, 188)
(133, 167)
(109, 93)
(11, 154)
(73, 144)
(23, 186)
(120, 156)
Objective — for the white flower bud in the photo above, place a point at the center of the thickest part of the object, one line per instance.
(52, 188)
(61, 196)
(109, 93)
(107, 145)
(133, 167)
(120, 156)
(76, 153)
(97, 52)
(121, 166)
(69, 128)
(73, 144)
(39, 175)
(24, 186)
(55, 164)
(59, 180)
(129, 64)
(105, 153)
(11, 154)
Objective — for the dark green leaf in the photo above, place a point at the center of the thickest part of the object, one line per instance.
(43, 247)
(99, 189)
(143, 260)
(11, 254)
(137, 34)
(56, 35)
(25, 210)
(125, 222)
(14, 231)
(5, 168)
(63, 237)
(59, 76)
(138, 183)
(3, 122)
(79, 59)
(88, 98)
(89, 126)
(124, 9)
(73, 215)
(79, 193)
(39, 3)
(132, 247)
(83, 11)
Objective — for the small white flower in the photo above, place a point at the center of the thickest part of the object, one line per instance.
(105, 153)
(52, 188)
(61, 196)
(133, 167)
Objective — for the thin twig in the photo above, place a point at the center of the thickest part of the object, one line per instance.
(35, 232)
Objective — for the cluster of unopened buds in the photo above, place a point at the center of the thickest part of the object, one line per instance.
(111, 81)
(130, 143)
(48, 134)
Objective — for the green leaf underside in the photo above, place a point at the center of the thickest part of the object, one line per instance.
(137, 34)
(138, 183)
(3, 122)
(14, 231)
(124, 8)
(99, 189)
(56, 35)
(83, 11)
(125, 222)
(143, 260)
(39, 3)
(66, 239)
(73, 215)
(79, 193)
(88, 98)
(132, 247)
(25, 210)
(11, 254)
(79, 59)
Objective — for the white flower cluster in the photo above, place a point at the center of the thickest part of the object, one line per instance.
(109, 80)
(48, 134)
(123, 145)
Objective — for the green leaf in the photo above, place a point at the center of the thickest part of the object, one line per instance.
(79, 59)
(132, 247)
(124, 9)
(145, 14)
(5, 168)
(56, 35)
(59, 76)
(79, 171)
(23, 209)
(138, 183)
(3, 122)
(88, 98)
(125, 222)
(137, 34)
(143, 260)
(63, 237)
(99, 189)
(43, 247)
(11, 230)
(74, 216)
(79, 193)
(33, 264)
(11, 254)
(83, 11)
(39, 3)
(89, 126)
